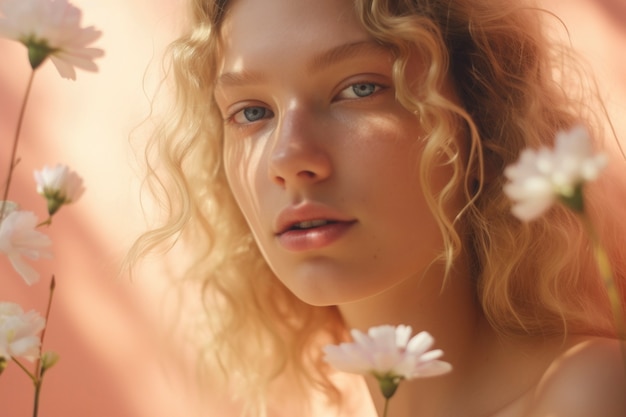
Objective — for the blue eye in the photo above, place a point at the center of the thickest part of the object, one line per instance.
(359, 90)
(252, 114)
(363, 89)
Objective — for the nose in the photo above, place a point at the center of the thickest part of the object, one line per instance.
(299, 155)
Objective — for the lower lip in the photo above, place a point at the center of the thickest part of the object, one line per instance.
(314, 238)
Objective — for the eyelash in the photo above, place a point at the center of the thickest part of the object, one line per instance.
(232, 118)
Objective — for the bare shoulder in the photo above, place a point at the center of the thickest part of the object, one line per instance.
(586, 380)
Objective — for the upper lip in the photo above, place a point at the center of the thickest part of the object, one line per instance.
(303, 212)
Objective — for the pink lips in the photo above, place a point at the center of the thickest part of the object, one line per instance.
(297, 239)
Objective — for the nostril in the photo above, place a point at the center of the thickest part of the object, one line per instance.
(303, 175)
(279, 180)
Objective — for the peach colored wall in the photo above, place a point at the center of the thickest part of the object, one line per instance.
(116, 357)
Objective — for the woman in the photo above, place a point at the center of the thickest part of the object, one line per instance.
(338, 164)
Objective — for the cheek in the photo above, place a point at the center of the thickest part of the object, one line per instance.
(386, 152)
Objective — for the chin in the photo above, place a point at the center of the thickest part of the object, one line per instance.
(325, 292)
(325, 282)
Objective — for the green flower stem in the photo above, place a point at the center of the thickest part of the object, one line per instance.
(39, 370)
(36, 381)
(388, 386)
(37, 392)
(13, 162)
(46, 222)
(606, 272)
(386, 407)
(23, 368)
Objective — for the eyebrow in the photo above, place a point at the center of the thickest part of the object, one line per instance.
(345, 52)
(325, 59)
(238, 78)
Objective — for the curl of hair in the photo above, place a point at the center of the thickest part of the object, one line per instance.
(530, 278)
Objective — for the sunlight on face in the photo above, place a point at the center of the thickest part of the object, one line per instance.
(320, 157)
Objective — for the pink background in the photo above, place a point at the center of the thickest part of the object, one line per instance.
(120, 355)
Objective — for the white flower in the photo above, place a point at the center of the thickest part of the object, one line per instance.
(388, 353)
(19, 332)
(18, 238)
(59, 186)
(541, 177)
(51, 28)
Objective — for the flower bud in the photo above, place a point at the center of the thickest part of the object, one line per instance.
(48, 360)
(59, 186)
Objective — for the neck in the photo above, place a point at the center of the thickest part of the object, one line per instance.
(448, 312)
(481, 359)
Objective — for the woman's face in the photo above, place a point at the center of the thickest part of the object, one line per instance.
(321, 158)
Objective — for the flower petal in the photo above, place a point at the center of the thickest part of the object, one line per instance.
(388, 352)
(19, 331)
(53, 25)
(432, 368)
(18, 238)
(420, 343)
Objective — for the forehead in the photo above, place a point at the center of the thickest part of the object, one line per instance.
(266, 30)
